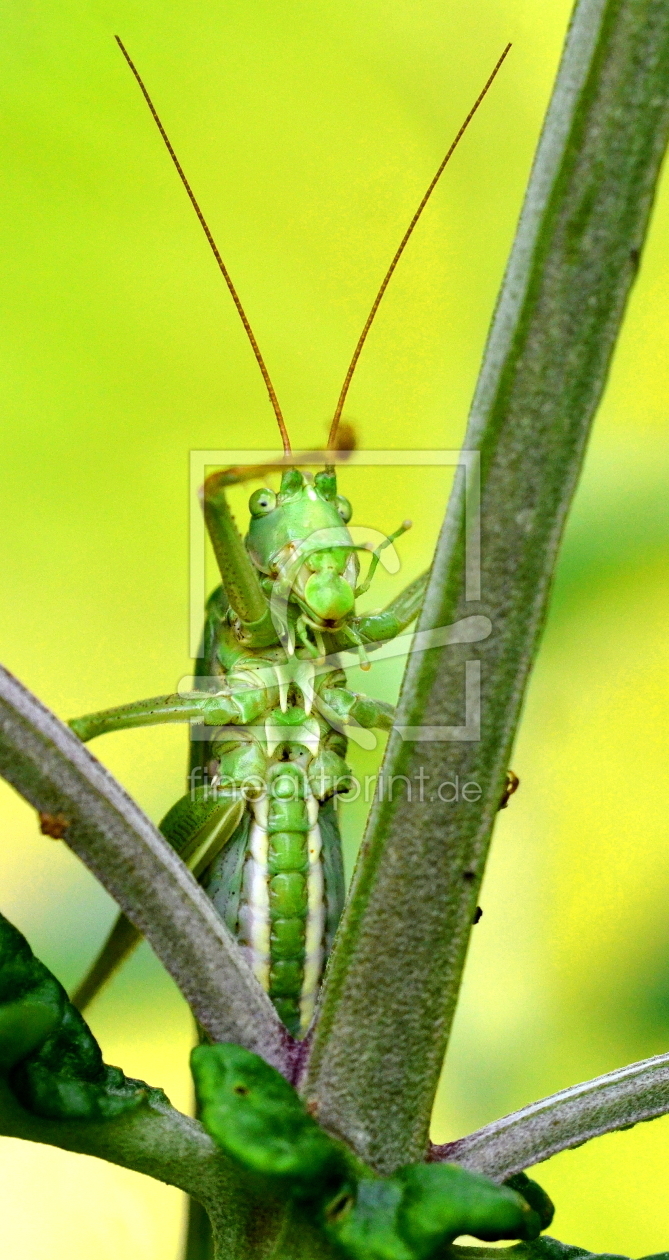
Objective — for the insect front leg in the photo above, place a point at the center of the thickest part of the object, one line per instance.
(352, 708)
(213, 710)
(241, 582)
(397, 615)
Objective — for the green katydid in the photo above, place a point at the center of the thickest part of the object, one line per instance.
(271, 710)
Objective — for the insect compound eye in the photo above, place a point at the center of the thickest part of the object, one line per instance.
(262, 502)
(344, 508)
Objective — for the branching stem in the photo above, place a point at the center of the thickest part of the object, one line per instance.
(569, 1118)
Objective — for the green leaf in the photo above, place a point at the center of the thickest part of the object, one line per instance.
(442, 1201)
(368, 1229)
(55, 1088)
(24, 1026)
(53, 1062)
(396, 970)
(418, 1212)
(257, 1118)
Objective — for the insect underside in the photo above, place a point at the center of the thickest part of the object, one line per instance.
(270, 711)
(270, 714)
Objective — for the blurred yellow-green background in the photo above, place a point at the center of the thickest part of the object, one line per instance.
(309, 130)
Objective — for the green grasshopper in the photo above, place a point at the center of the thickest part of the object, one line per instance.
(270, 708)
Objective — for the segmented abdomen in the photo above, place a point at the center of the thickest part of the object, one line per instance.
(278, 884)
(282, 912)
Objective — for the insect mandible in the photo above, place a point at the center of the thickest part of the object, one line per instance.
(270, 709)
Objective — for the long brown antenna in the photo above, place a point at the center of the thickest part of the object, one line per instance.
(214, 249)
(386, 279)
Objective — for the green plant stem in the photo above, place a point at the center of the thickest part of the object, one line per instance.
(54, 772)
(396, 970)
(159, 1141)
(156, 1140)
(617, 1100)
(199, 1243)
